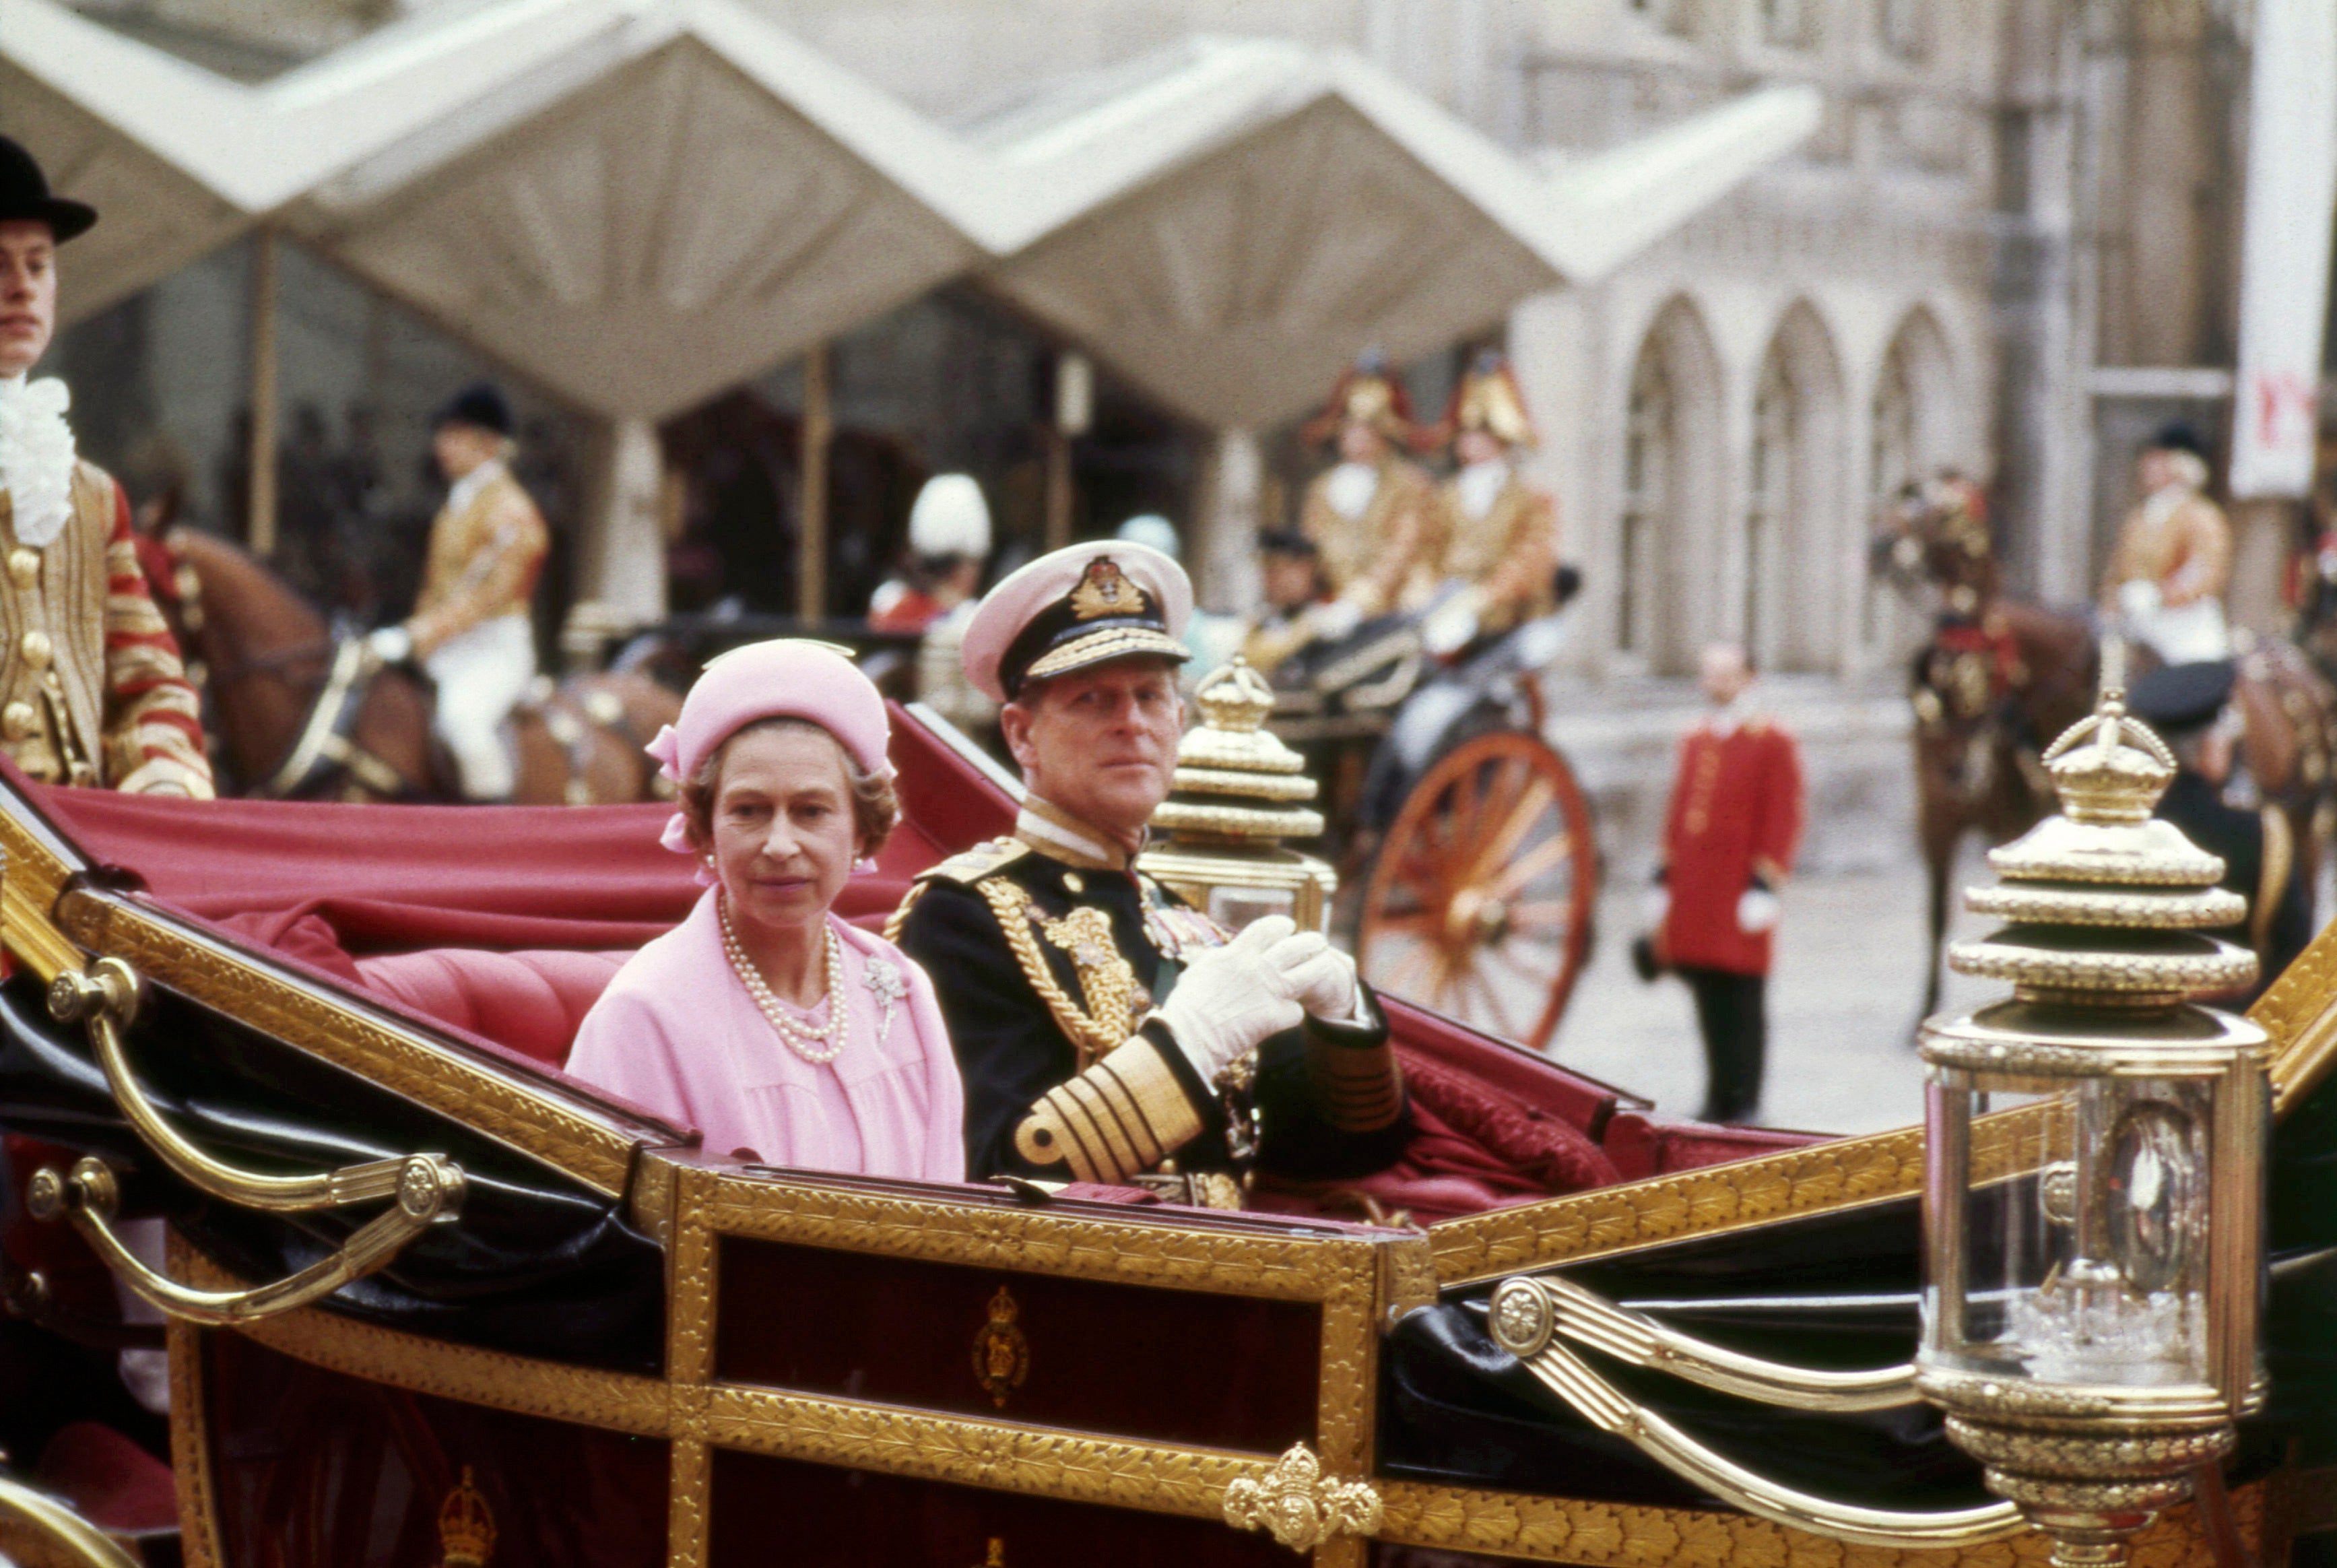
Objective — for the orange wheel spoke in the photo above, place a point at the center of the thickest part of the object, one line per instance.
(1541, 915)
(1544, 856)
(1509, 956)
(1496, 1012)
(1523, 815)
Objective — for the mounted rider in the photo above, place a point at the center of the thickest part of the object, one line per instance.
(470, 628)
(1497, 536)
(1107, 1032)
(2173, 563)
(91, 689)
(1373, 515)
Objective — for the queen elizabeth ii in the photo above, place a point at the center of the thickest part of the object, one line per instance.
(781, 1033)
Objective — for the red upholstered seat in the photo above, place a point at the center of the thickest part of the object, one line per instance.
(531, 1002)
(109, 1481)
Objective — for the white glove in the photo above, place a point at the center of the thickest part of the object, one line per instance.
(391, 644)
(1321, 978)
(1758, 909)
(2139, 599)
(1449, 627)
(1658, 907)
(1231, 997)
(1336, 620)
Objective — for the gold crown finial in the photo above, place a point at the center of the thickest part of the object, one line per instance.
(2107, 904)
(1233, 698)
(467, 1527)
(2120, 775)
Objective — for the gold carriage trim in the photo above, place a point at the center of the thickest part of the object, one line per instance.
(1012, 1456)
(1121, 1116)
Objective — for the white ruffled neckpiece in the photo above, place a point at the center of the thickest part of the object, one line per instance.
(36, 457)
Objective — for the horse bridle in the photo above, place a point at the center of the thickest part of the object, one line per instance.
(326, 743)
(326, 734)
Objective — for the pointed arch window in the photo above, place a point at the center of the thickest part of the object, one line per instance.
(1769, 502)
(1894, 462)
(1647, 503)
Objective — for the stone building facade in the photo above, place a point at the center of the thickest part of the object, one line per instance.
(2008, 248)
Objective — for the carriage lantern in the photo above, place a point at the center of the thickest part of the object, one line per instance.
(2094, 1183)
(1239, 791)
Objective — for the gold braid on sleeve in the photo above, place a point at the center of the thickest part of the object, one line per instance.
(1121, 1116)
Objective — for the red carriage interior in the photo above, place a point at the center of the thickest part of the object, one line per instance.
(501, 925)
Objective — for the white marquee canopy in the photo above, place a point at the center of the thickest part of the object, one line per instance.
(179, 160)
(639, 202)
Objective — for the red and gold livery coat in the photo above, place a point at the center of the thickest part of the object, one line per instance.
(1736, 815)
(92, 688)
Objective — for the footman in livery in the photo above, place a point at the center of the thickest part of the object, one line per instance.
(470, 626)
(92, 689)
(1107, 1032)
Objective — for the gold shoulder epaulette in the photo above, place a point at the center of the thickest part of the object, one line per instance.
(972, 866)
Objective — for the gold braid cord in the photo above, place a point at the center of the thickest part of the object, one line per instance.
(1013, 908)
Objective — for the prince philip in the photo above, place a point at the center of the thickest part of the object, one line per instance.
(1106, 1032)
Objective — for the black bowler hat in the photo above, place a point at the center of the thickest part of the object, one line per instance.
(2174, 699)
(2179, 436)
(24, 194)
(482, 404)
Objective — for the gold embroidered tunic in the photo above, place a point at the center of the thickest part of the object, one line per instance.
(91, 689)
(482, 563)
(2182, 542)
(1509, 556)
(1385, 559)
(1048, 952)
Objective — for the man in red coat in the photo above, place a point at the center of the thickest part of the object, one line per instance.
(1729, 838)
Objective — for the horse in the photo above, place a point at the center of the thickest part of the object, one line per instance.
(295, 713)
(2001, 679)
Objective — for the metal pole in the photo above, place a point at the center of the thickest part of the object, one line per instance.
(819, 425)
(259, 524)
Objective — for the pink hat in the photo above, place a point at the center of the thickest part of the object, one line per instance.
(790, 678)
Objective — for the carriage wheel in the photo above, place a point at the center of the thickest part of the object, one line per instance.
(1478, 904)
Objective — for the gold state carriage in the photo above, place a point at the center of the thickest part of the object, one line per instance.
(432, 1301)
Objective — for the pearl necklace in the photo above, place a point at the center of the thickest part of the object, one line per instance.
(816, 1046)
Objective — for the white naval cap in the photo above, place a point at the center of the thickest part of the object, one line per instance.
(1082, 605)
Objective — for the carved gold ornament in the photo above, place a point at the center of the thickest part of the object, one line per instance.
(467, 1527)
(1299, 1505)
(1002, 1355)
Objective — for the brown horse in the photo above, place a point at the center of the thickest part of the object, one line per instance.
(294, 712)
(2001, 678)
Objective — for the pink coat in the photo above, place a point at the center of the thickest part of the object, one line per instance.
(677, 1032)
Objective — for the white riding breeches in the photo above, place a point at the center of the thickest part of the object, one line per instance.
(482, 674)
(2192, 634)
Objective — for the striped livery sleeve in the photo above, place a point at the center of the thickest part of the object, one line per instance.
(153, 731)
(1123, 1115)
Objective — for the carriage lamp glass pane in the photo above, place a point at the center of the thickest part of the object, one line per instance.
(1234, 907)
(2080, 1254)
